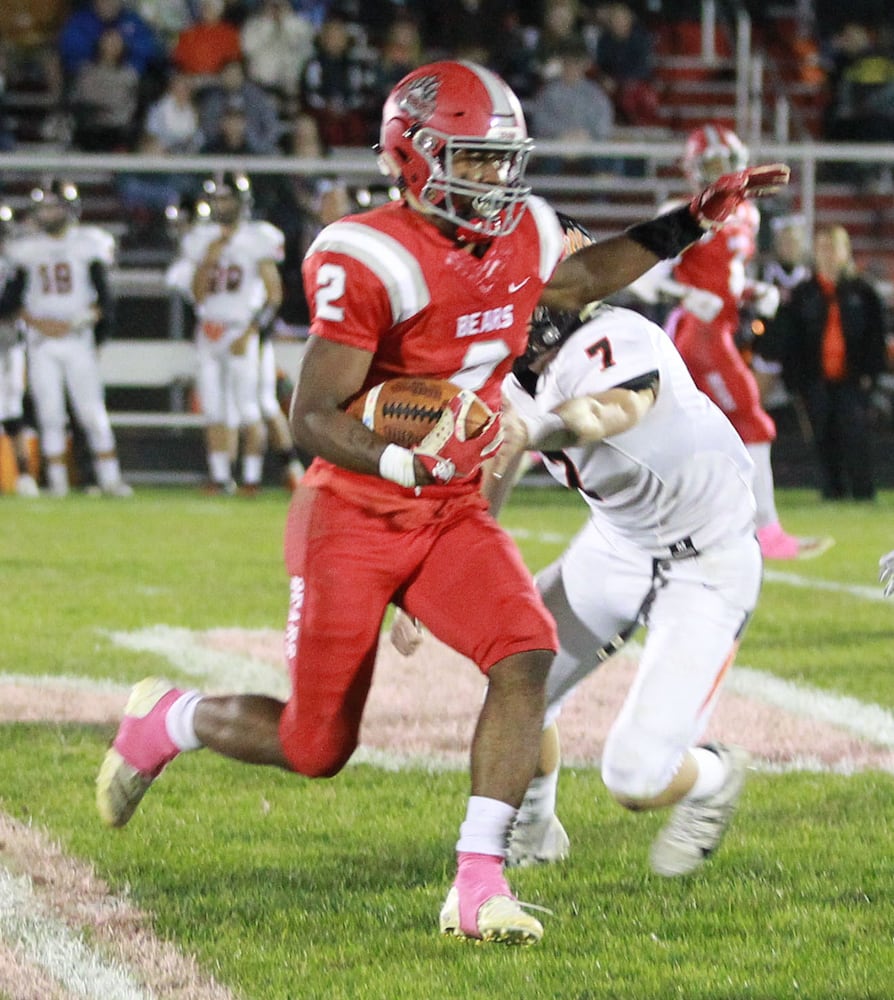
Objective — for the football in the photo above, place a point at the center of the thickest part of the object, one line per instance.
(404, 410)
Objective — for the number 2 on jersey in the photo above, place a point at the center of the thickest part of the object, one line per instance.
(330, 288)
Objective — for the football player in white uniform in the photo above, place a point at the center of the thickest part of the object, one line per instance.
(228, 268)
(12, 379)
(60, 292)
(670, 545)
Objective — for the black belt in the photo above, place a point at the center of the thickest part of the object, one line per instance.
(683, 548)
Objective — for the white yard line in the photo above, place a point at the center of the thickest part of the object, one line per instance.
(868, 721)
(865, 593)
(57, 950)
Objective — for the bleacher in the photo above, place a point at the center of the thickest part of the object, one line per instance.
(728, 74)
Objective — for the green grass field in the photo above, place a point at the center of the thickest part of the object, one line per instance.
(284, 888)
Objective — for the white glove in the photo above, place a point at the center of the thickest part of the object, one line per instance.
(766, 299)
(702, 304)
(886, 573)
(406, 633)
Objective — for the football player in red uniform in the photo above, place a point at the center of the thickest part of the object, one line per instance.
(711, 285)
(441, 284)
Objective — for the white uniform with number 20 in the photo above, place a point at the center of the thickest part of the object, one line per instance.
(228, 383)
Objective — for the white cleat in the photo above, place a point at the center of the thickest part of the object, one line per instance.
(697, 826)
(26, 486)
(501, 920)
(119, 489)
(540, 843)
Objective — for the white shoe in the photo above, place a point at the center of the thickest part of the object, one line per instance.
(538, 843)
(697, 826)
(500, 919)
(119, 489)
(26, 486)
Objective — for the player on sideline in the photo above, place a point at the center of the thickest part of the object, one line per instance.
(439, 284)
(12, 379)
(227, 267)
(711, 286)
(60, 292)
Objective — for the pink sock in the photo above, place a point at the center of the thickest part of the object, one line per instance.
(478, 877)
(144, 742)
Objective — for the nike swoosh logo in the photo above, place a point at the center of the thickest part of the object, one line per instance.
(515, 286)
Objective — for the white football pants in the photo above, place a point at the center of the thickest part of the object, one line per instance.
(694, 611)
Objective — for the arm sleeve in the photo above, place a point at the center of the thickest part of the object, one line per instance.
(104, 300)
(13, 294)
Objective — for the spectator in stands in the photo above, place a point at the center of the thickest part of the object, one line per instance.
(172, 123)
(80, 34)
(7, 135)
(833, 351)
(263, 127)
(314, 10)
(474, 27)
(572, 108)
(401, 52)
(233, 136)
(624, 63)
(862, 104)
(105, 98)
(277, 43)
(517, 58)
(526, 54)
(167, 18)
(171, 128)
(207, 45)
(338, 87)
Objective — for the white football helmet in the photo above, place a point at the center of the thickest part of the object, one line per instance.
(55, 205)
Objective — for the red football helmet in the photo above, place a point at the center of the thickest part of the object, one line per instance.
(710, 152)
(447, 110)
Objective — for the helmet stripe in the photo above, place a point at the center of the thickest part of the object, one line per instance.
(497, 90)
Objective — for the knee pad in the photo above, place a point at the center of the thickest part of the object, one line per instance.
(52, 441)
(99, 432)
(638, 764)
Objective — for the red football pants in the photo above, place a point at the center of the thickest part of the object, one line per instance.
(719, 370)
(446, 562)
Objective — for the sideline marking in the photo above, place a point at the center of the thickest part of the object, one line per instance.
(811, 583)
(233, 672)
(869, 721)
(183, 650)
(57, 949)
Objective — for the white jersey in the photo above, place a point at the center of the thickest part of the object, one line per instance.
(677, 482)
(58, 284)
(238, 291)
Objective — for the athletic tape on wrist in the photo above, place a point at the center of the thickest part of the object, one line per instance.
(398, 464)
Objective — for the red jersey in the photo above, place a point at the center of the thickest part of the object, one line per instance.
(389, 282)
(717, 262)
